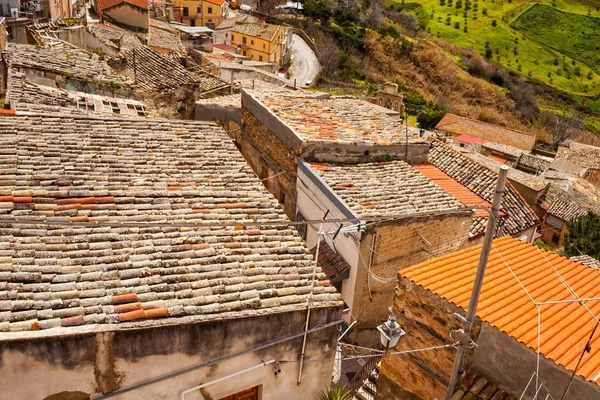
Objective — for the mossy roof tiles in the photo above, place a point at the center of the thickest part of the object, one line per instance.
(62, 170)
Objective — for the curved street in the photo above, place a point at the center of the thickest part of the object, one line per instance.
(306, 64)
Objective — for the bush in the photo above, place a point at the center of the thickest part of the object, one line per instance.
(431, 115)
(457, 25)
(494, 23)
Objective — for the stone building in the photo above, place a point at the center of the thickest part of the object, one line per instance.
(455, 125)
(389, 98)
(282, 127)
(131, 267)
(584, 156)
(505, 329)
(413, 220)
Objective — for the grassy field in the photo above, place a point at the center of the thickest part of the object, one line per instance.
(549, 53)
(575, 35)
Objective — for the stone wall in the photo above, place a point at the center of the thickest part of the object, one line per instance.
(426, 318)
(93, 362)
(128, 14)
(397, 245)
(268, 155)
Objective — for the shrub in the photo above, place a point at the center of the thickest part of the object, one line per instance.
(488, 53)
(431, 114)
(494, 23)
(457, 25)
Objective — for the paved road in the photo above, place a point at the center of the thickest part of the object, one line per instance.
(306, 66)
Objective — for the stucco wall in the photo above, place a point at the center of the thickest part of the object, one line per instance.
(82, 38)
(314, 198)
(96, 363)
(511, 364)
(127, 14)
(210, 112)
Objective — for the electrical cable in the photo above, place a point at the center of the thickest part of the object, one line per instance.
(216, 361)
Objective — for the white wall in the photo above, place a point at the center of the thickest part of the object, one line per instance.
(312, 202)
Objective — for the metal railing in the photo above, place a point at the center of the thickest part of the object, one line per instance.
(363, 374)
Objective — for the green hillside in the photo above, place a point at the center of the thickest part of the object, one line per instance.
(577, 36)
(550, 53)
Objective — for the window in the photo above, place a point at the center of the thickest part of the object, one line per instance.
(555, 238)
(226, 35)
(244, 39)
(264, 46)
(192, 22)
(244, 52)
(84, 104)
(259, 58)
(252, 42)
(185, 12)
(302, 228)
(232, 39)
(199, 10)
(210, 10)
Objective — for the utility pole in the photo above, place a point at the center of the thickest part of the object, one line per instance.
(464, 334)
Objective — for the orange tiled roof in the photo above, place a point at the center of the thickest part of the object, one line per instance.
(565, 327)
(494, 157)
(457, 125)
(452, 187)
(217, 2)
(104, 4)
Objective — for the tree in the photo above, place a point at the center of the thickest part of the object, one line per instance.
(583, 236)
(494, 23)
(561, 127)
(317, 9)
(329, 54)
(488, 53)
(431, 114)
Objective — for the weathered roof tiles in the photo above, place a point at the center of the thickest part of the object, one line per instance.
(385, 189)
(64, 172)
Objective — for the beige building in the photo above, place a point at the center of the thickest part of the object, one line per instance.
(209, 13)
(132, 13)
(160, 305)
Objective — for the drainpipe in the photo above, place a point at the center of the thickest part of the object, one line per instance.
(262, 364)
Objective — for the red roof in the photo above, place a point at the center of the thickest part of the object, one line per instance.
(217, 2)
(223, 47)
(470, 139)
(565, 325)
(104, 4)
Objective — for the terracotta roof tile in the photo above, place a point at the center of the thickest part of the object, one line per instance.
(341, 120)
(68, 274)
(506, 306)
(482, 181)
(391, 188)
(588, 260)
(457, 125)
(104, 4)
(332, 263)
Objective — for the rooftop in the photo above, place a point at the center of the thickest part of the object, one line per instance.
(580, 154)
(339, 120)
(77, 63)
(256, 29)
(535, 182)
(165, 39)
(505, 305)
(157, 72)
(470, 139)
(570, 199)
(503, 149)
(104, 4)
(65, 272)
(587, 260)
(534, 162)
(331, 262)
(230, 22)
(482, 181)
(114, 36)
(458, 125)
(28, 96)
(385, 189)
